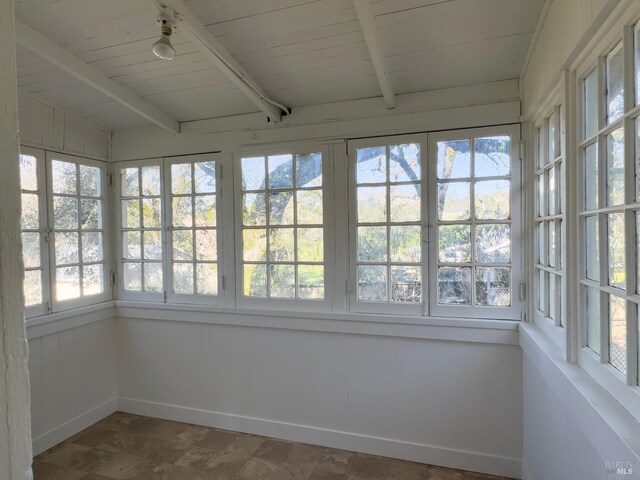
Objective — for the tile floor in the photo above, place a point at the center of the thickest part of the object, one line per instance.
(125, 446)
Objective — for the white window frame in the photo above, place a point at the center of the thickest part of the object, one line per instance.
(107, 294)
(122, 293)
(44, 307)
(325, 305)
(515, 311)
(418, 308)
(201, 299)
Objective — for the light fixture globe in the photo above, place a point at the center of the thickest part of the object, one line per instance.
(163, 48)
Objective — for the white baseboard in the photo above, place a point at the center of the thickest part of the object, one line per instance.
(526, 473)
(416, 452)
(73, 426)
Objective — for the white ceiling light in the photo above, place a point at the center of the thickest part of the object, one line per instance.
(163, 48)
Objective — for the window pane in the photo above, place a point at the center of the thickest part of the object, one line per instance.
(405, 244)
(253, 173)
(181, 178)
(254, 245)
(592, 251)
(493, 286)
(542, 291)
(90, 181)
(493, 243)
(591, 177)
(404, 203)
(311, 281)
(152, 245)
(67, 248)
(372, 283)
(636, 43)
(615, 84)
(254, 209)
(67, 283)
(552, 296)
(151, 213)
(280, 171)
(28, 173)
(454, 285)
(281, 208)
(30, 211)
(130, 182)
(615, 167)
(404, 163)
(91, 217)
(309, 169)
(372, 204)
(152, 277)
(282, 281)
(131, 214)
(638, 250)
(593, 319)
(92, 249)
(206, 245)
(255, 280)
(182, 211)
(454, 243)
(552, 243)
(64, 177)
(492, 156)
(406, 284)
(151, 180)
(371, 165)
(617, 273)
(32, 287)
(551, 138)
(31, 249)
(542, 211)
(207, 279)
(65, 213)
(281, 245)
(310, 245)
(454, 201)
(182, 245)
(309, 204)
(205, 214)
(372, 244)
(542, 243)
(492, 199)
(132, 276)
(183, 278)
(551, 175)
(204, 174)
(92, 280)
(618, 333)
(454, 160)
(131, 245)
(591, 105)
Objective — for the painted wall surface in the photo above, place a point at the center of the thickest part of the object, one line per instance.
(50, 128)
(73, 380)
(449, 403)
(565, 27)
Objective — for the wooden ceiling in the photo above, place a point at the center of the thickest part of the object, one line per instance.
(301, 52)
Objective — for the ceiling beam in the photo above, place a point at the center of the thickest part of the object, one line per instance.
(220, 57)
(58, 56)
(370, 31)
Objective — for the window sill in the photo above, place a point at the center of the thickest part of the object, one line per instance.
(454, 329)
(59, 321)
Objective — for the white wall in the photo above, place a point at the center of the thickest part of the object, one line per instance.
(47, 127)
(72, 366)
(452, 403)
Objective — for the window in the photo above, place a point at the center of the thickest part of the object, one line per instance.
(609, 211)
(141, 228)
(465, 215)
(549, 216)
(282, 226)
(34, 221)
(63, 223)
(474, 270)
(388, 232)
(193, 224)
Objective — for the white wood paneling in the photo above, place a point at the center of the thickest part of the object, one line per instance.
(416, 399)
(73, 380)
(42, 125)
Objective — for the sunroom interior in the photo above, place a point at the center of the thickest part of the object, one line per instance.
(320, 239)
